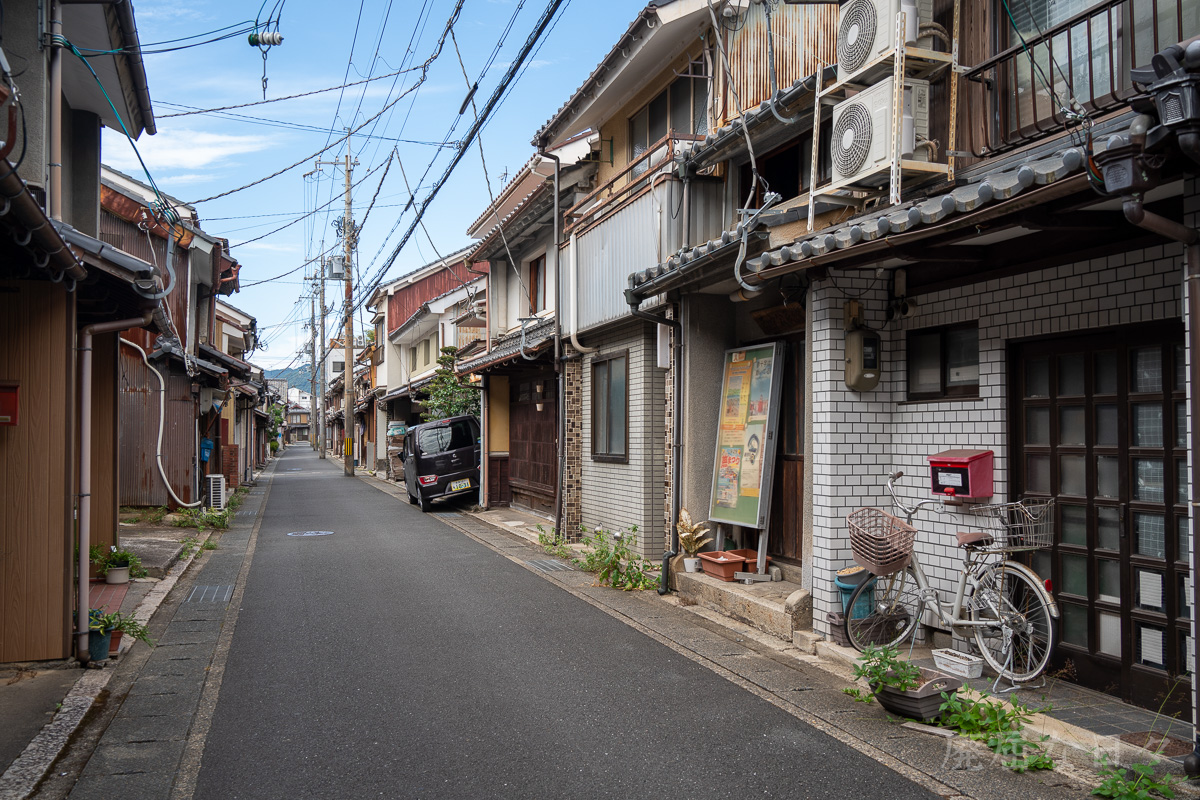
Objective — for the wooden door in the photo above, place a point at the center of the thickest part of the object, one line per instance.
(786, 524)
(532, 446)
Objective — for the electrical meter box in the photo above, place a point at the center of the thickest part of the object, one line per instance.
(863, 356)
(961, 474)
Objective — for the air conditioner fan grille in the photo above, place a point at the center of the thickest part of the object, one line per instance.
(856, 35)
(851, 139)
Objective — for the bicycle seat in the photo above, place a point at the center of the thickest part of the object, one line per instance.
(973, 538)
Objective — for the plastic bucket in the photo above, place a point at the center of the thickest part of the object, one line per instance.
(98, 645)
(865, 600)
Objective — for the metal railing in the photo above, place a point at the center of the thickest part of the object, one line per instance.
(1078, 67)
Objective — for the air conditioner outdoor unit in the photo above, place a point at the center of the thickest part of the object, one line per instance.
(863, 127)
(867, 30)
(216, 492)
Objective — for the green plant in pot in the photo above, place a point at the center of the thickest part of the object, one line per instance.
(900, 686)
(691, 539)
(127, 625)
(100, 630)
(117, 565)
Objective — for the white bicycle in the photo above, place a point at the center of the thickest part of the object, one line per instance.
(1002, 603)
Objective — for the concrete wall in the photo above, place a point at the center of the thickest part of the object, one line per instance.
(709, 333)
(859, 437)
(617, 496)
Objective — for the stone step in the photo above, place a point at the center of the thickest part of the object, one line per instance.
(779, 608)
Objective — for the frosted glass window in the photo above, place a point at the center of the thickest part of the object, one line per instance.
(1106, 373)
(1148, 480)
(1037, 426)
(1187, 655)
(1037, 377)
(1108, 528)
(1072, 425)
(1070, 375)
(1074, 525)
(1041, 563)
(1072, 475)
(1150, 645)
(1075, 624)
(1183, 532)
(1037, 478)
(1181, 424)
(1149, 590)
(1150, 536)
(1108, 476)
(1106, 426)
(1181, 480)
(1108, 574)
(1180, 368)
(1146, 364)
(1147, 425)
(1110, 634)
(1184, 599)
(1075, 575)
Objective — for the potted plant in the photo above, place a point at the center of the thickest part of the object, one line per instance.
(100, 628)
(902, 687)
(117, 565)
(690, 539)
(126, 624)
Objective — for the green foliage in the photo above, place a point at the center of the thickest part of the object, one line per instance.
(882, 666)
(126, 624)
(448, 396)
(553, 544)
(204, 518)
(1000, 726)
(102, 623)
(610, 556)
(1136, 783)
(116, 557)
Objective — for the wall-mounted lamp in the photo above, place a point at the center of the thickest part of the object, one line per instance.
(539, 391)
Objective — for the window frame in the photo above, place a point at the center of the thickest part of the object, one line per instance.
(602, 454)
(696, 71)
(537, 283)
(944, 392)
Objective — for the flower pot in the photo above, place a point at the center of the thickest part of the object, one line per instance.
(924, 702)
(721, 565)
(691, 564)
(98, 645)
(751, 557)
(117, 575)
(114, 646)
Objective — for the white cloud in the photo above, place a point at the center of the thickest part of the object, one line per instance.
(184, 149)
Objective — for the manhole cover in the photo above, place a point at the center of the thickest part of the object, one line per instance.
(210, 594)
(311, 533)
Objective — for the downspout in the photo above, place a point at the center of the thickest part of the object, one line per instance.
(54, 165)
(85, 467)
(1190, 237)
(561, 422)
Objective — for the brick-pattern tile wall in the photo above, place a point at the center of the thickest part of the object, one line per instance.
(229, 466)
(617, 496)
(859, 438)
(669, 429)
(572, 478)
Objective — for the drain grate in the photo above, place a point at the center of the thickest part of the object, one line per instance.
(311, 533)
(446, 514)
(210, 594)
(549, 565)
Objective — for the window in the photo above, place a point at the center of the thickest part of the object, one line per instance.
(412, 359)
(943, 362)
(609, 401)
(682, 107)
(339, 366)
(537, 284)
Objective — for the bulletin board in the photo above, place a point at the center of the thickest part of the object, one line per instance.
(746, 435)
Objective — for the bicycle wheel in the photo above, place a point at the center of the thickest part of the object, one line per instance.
(1018, 645)
(884, 610)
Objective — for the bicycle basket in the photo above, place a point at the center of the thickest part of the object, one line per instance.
(882, 543)
(1023, 525)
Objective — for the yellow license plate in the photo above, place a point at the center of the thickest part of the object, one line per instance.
(458, 486)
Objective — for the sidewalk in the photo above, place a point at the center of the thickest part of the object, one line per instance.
(1073, 716)
(44, 704)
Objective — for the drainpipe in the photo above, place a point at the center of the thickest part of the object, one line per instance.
(85, 466)
(558, 364)
(1190, 237)
(54, 165)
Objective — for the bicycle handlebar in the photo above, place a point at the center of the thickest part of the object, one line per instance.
(908, 511)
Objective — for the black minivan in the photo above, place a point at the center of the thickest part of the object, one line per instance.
(441, 459)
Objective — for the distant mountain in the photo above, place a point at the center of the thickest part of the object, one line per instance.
(298, 377)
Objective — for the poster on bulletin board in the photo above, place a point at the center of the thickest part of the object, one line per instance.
(746, 435)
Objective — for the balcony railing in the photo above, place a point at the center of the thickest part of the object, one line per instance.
(1079, 66)
(626, 185)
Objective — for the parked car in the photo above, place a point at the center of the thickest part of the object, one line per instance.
(441, 459)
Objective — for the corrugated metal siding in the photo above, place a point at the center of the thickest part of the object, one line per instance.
(404, 303)
(630, 240)
(131, 239)
(140, 482)
(805, 38)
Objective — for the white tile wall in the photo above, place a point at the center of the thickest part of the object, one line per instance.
(617, 496)
(859, 438)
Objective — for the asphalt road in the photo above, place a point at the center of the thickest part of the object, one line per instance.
(398, 657)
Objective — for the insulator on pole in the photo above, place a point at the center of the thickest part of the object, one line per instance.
(266, 38)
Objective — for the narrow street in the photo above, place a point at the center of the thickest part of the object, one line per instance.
(400, 656)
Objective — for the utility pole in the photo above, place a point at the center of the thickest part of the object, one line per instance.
(348, 326)
(312, 360)
(321, 402)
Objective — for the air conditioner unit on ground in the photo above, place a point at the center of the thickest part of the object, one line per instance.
(216, 492)
(867, 30)
(863, 131)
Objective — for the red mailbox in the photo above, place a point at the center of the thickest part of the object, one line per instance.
(962, 474)
(9, 406)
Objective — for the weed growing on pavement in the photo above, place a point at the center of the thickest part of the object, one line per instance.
(1137, 783)
(553, 544)
(1000, 726)
(204, 518)
(209, 544)
(189, 546)
(610, 556)
(883, 666)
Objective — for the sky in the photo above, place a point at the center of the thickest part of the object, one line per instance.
(326, 45)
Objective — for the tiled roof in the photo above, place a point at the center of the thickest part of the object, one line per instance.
(509, 346)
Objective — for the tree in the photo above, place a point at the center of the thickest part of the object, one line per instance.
(448, 396)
